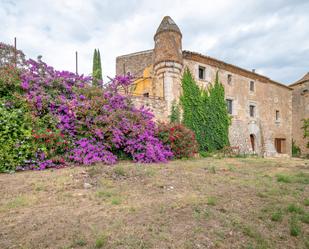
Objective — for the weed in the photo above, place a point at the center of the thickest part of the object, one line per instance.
(116, 201)
(211, 201)
(293, 208)
(306, 202)
(276, 216)
(104, 194)
(79, 242)
(302, 178)
(199, 213)
(284, 178)
(295, 229)
(305, 218)
(101, 241)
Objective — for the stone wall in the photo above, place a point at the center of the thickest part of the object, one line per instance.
(300, 111)
(134, 63)
(156, 105)
(267, 97)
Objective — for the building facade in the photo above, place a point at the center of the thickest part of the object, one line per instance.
(261, 109)
(300, 105)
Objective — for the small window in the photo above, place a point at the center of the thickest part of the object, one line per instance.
(146, 95)
(252, 110)
(252, 86)
(201, 73)
(277, 115)
(229, 105)
(229, 79)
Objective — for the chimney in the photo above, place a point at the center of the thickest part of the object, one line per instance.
(253, 70)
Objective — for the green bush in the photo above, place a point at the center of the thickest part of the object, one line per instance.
(180, 139)
(15, 137)
(295, 149)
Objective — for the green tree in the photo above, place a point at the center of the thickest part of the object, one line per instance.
(96, 67)
(205, 112)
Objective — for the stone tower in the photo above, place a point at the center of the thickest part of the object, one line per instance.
(168, 60)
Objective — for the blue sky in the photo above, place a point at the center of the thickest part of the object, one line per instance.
(270, 36)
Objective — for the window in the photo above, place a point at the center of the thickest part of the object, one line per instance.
(229, 105)
(252, 110)
(146, 95)
(229, 79)
(252, 86)
(277, 115)
(201, 73)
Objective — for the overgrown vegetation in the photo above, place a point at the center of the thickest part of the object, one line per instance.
(205, 112)
(306, 130)
(175, 113)
(295, 149)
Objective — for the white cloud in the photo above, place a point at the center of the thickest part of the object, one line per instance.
(271, 36)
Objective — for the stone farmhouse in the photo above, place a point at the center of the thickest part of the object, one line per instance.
(264, 112)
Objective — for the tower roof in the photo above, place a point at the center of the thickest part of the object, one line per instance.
(167, 24)
(303, 79)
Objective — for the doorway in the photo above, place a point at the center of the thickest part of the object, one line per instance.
(252, 140)
(280, 145)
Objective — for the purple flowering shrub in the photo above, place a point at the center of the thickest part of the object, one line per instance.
(96, 123)
(89, 151)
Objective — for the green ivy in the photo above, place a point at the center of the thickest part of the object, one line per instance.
(306, 130)
(205, 112)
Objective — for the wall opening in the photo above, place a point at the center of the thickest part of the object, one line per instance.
(280, 145)
(252, 140)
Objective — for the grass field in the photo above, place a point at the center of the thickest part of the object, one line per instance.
(203, 203)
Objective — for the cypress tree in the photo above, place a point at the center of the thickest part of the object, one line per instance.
(99, 66)
(96, 67)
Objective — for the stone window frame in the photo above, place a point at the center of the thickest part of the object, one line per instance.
(229, 79)
(201, 67)
(229, 106)
(277, 116)
(252, 86)
(234, 110)
(256, 113)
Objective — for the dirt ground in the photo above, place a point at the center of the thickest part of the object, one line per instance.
(203, 203)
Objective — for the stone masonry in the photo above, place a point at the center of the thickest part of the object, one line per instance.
(261, 109)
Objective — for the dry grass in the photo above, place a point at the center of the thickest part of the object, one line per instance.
(203, 203)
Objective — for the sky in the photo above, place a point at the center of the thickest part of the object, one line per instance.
(271, 36)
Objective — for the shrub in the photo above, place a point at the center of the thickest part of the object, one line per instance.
(51, 117)
(15, 137)
(295, 149)
(180, 139)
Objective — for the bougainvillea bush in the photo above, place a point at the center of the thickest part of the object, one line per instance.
(67, 120)
(180, 139)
